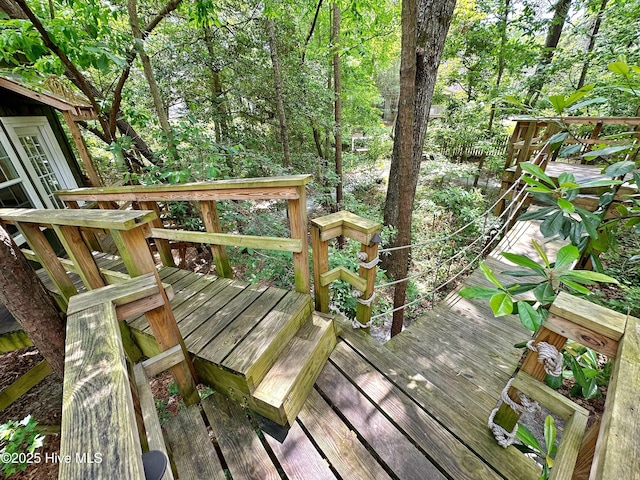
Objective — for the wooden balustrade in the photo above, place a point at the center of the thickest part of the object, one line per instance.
(290, 188)
(357, 228)
(608, 448)
(129, 230)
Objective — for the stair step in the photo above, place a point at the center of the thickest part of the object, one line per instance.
(283, 390)
(260, 349)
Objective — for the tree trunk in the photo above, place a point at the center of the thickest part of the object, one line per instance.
(22, 292)
(337, 89)
(591, 43)
(504, 20)
(163, 117)
(424, 30)
(217, 95)
(277, 79)
(560, 11)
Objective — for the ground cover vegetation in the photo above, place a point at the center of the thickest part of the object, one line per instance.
(215, 89)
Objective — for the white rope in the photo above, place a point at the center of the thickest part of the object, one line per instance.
(549, 356)
(371, 264)
(356, 324)
(368, 301)
(502, 436)
(502, 197)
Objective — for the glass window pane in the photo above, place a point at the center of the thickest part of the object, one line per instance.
(38, 157)
(7, 171)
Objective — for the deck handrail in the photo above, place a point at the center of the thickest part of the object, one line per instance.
(129, 230)
(148, 197)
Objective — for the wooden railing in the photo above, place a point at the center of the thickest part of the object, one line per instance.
(129, 230)
(357, 228)
(608, 449)
(152, 197)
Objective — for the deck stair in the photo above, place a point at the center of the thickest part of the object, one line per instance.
(262, 345)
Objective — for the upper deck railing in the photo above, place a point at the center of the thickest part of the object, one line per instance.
(206, 194)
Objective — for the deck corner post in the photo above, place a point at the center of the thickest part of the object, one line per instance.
(298, 225)
(320, 253)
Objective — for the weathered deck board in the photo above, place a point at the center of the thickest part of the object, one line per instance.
(338, 442)
(240, 445)
(193, 453)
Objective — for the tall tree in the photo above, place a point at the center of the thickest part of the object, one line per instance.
(502, 25)
(337, 88)
(424, 30)
(22, 292)
(591, 42)
(277, 80)
(560, 12)
(161, 109)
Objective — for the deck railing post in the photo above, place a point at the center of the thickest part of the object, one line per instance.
(164, 249)
(298, 226)
(211, 220)
(135, 254)
(356, 228)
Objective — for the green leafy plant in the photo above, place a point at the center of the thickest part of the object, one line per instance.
(553, 277)
(586, 370)
(18, 440)
(531, 445)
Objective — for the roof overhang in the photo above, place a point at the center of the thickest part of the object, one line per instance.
(78, 111)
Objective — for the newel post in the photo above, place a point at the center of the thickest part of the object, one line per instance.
(356, 228)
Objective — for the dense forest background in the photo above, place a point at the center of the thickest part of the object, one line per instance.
(201, 90)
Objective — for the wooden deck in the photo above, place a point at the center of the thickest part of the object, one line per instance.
(414, 408)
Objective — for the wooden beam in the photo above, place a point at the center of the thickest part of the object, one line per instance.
(246, 241)
(164, 249)
(298, 228)
(107, 219)
(94, 178)
(23, 384)
(100, 430)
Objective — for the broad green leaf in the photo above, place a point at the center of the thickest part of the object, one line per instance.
(521, 273)
(523, 261)
(599, 183)
(536, 213)
(553, 382)
(549, 433)
(590, 389)
(566, 255)
(588, 275)
(589, 224)
(501, 304)
(529, 317)
(620, 168)
(536, 171)
(557, 139)
(540, 251)
(586, 103)
(603, 152)
(522, 288)
(578, 94)
(620, 67)
(576, 286)
(525, 436)
(544, 293)
(569, 150)
(552, 225)
(535, 183)
(479, 292)
(490, 276)
(566, 206)
(565, 178)
(558, 102)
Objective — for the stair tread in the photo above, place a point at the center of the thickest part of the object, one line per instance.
(295, 361)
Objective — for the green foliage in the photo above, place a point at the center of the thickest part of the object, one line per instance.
(584, 366)
(531, 445)
(19, 441)
(549, 278)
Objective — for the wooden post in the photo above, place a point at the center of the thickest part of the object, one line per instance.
(73, 243)
(136, 256)
(363, 312)
(506, 416)
(164, 249)
(320, 254)
(49, 261)
(82, 149)
(298, 225)
(212, 224)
